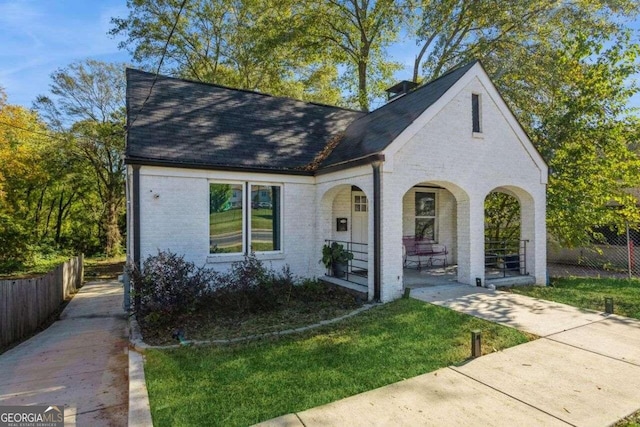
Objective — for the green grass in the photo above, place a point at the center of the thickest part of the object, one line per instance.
(590, 293)
(38, 267)
(249, 383)
(231, 220)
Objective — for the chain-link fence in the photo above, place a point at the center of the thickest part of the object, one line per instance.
(615, 253)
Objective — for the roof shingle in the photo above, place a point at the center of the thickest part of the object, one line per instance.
(190, 123)
(196, 124)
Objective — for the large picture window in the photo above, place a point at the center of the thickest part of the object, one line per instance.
(425, 228)
(244, 218)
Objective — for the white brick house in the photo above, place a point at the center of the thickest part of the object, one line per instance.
(214, 173)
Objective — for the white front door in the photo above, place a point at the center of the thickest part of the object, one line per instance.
(359, 230)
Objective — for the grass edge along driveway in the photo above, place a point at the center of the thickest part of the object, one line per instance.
(253, 382)
(589, 293)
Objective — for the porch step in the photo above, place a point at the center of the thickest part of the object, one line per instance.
(511, 281)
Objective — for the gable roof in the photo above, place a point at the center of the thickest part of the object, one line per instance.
(372, 133)
(186, 123)
(192, 124)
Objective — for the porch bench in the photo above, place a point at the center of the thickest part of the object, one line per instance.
(423, 253)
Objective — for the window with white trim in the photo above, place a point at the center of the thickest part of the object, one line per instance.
(244, 217)
(425, 216)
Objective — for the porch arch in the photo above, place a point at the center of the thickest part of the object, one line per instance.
(451, 229)
(527, 227)
(346, 217)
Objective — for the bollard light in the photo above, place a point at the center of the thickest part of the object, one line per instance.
(476, 344)
(478, 282)
(608, 305)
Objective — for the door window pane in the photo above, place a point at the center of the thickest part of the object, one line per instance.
(225, 218)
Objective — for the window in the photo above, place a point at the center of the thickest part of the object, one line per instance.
(226, 218)
(425, 216)
(265, 218)
(238, 226)
(360, 203)
(475, 112)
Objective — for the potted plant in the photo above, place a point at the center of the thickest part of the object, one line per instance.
(335, 256)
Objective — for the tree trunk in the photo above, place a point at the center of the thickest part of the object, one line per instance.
(113, 238)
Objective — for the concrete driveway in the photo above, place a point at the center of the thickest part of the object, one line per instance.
(80, 361)
(584, 371)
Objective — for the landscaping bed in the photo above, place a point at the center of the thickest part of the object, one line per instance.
(302, 305)
(254, 381)
(589, 293)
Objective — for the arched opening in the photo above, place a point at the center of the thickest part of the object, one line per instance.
(345, 212)
(505, 246)
(430, 243)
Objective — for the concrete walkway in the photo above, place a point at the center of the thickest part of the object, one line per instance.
(80, 361)
(584, 371)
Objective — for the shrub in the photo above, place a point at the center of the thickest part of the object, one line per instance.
(249, 286)
(168, 284)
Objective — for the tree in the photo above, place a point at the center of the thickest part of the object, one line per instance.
(87, 105)
(564, 68)
(502, 218)
(24, 178)
(359, 31)
(258, 45)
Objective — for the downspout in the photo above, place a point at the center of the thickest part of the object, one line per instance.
(377, 229)
(136, 224)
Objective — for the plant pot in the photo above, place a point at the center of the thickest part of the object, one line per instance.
(339, 269)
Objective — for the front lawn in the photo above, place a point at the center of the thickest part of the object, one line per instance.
(590, 293)
(256, 381)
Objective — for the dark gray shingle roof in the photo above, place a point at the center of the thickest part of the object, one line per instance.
(190, 123)
(198, 124)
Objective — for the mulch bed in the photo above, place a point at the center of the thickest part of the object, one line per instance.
(306, 305)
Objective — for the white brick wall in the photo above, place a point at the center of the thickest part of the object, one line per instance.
(444, 152)
(174, 206)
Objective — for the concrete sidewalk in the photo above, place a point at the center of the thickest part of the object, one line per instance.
(585, 371)
(80, 361)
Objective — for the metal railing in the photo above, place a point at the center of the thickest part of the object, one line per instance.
(505, 258)
(357, 269)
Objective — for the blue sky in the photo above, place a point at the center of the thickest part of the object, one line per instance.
(39, 36)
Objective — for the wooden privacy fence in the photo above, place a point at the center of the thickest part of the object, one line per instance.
(26, 303)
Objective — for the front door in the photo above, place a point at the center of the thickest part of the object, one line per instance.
(359, 230)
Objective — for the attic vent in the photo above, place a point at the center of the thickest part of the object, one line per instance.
(405, 86)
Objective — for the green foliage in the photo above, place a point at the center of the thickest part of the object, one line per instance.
(261, 380)
(501, 217)
(167, 285)
(335, 254)
(260, 45)
(87, 108)
(15, 250)
(219, 196)
(250, 287)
